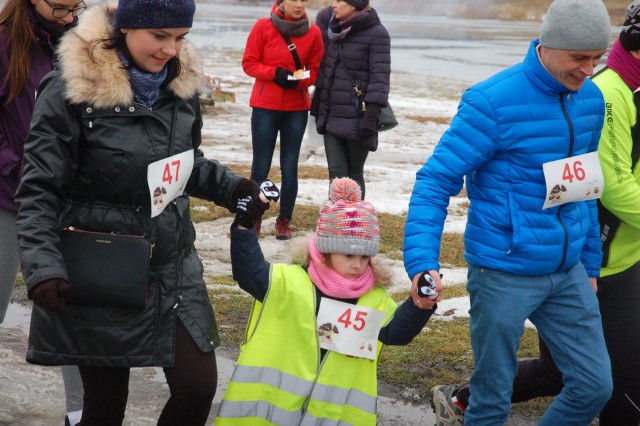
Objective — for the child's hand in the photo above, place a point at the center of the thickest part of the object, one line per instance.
(426, 302)
(269, 191)
(247, 215)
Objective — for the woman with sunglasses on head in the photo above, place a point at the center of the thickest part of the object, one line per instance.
(29, 34)
(352, 85)
(113, 148)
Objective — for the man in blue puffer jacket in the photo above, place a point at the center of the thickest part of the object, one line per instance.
(532, 250)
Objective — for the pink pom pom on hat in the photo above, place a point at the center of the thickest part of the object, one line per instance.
(347, 224)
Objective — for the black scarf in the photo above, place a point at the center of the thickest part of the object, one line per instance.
(362, 19)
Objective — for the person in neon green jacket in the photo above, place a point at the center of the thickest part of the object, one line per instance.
(317, 327)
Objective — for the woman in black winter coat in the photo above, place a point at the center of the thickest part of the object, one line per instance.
(352, 86)
(123, 102)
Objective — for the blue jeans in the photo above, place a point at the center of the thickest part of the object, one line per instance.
(265, 125)
(564, 309)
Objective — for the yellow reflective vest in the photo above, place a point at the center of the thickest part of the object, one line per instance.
(279, 378)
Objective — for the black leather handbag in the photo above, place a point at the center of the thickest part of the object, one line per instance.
(106, 269)
(387, 119)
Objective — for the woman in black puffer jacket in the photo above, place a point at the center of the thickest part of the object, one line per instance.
(118, 118)
(357, 52)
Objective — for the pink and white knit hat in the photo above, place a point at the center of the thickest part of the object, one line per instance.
(347, 224)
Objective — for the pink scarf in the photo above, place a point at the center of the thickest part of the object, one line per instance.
(333, 284)
(623, 63)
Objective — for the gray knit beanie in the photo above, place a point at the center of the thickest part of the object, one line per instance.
(576, 25)
(155, 13)
(347, 224)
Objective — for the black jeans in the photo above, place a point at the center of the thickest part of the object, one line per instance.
(192, 383)
(345, 158)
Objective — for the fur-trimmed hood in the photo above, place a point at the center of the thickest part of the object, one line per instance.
(300, 256)
(102, 81)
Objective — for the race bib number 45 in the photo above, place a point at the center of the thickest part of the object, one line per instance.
(349, 329)
(167, 179)
(571, 179)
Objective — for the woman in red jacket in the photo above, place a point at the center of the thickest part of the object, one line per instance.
(283, 53)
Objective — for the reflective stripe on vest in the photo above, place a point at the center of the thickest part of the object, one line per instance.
(278, 373)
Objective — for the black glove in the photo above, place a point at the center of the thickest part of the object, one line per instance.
(269, 191)
(47, 294)
(247, 204)
(315, 104)
(369, 122)
(282, 80)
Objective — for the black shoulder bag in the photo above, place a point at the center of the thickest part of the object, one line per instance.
(386, 119)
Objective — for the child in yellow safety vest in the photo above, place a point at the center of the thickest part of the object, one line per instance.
(317, 326)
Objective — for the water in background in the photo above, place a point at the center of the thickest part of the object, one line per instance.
(441, 47)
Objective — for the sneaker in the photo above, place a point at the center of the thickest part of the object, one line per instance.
(283, 231)
(258, 226)
(448, 411)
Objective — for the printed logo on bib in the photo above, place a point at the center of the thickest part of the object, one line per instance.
(167, 179)
(349, 329)
(577, 178)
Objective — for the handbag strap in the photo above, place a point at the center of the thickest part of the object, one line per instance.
(355, 86)
(293, 50)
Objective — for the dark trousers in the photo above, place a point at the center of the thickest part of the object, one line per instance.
(345, 158)
(265, 126)
(619, 298)
(192, 384)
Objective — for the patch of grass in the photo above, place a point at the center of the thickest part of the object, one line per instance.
(206, 211)
(427, 119)
(232, 311)
(452, 250)
(456, 290)
(441, 355)
(19, 281)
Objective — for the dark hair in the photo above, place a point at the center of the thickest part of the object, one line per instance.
(118, 42)
(14, 20)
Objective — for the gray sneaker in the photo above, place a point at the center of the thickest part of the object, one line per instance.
(448, 413)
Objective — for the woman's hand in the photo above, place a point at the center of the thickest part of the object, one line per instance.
(282, 79)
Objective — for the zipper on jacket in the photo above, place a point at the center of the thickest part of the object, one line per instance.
(563, 105)
(566, 238)
(565, 245)
(178, 300)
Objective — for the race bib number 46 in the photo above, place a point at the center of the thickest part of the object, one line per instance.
(349, 329)
(167, 179)
(571, 179)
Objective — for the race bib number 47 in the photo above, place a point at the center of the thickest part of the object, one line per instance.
(167, 179)
(571, 179)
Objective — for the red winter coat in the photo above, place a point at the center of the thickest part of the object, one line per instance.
(265, 51)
